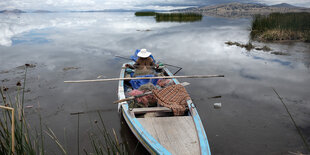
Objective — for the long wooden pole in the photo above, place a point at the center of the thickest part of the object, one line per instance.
(12, 127)
(136, 78)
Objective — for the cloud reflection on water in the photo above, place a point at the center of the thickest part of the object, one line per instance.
(89, 41)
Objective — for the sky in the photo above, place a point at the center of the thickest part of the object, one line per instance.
(58, 5)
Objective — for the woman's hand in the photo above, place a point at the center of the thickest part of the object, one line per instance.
(157, 66)
(129, 66)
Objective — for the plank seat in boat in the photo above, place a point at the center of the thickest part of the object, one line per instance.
(150, 109)
(177, 134)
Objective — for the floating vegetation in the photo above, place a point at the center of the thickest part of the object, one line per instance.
(213, 97)
(249, 46)
(27, 65)
(281, 27)
(144, 30)
(145, 13)
(178, 17)
(5, 80)
(265, 48)
(70, 68)
(4, 72)
(279, 53)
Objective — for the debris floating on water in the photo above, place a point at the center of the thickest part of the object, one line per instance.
(101, 76)
(18, 83)
(70, 68)
(217, 105)
(29, 106)
(215, 97)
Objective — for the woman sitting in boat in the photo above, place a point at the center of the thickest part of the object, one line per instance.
(144, 64)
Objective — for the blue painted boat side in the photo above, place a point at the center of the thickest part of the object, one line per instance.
(203, 140)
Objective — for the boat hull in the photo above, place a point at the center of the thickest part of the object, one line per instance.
(146, 138)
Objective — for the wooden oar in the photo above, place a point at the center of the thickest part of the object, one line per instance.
(147, 93)
(136, 78)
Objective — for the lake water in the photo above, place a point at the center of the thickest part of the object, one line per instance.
(75, 46)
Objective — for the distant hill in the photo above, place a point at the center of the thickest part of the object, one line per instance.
(42, 11)
(121, 10)
(284, 5)
(234, 10)
(12, 11)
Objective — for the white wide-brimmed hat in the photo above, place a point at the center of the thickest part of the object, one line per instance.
(143, 53)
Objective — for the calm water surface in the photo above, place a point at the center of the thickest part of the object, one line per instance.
(73, 46)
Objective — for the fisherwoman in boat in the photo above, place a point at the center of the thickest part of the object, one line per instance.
(144, 65)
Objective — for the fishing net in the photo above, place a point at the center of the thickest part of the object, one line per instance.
(147, 87)
(147, 100)
(174, 97)
(165, 82)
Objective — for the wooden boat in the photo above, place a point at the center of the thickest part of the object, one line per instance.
(166, 134)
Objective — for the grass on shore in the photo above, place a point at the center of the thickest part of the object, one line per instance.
(281, 26)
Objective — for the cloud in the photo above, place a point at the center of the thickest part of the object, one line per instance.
(46, 4)
(125, 4)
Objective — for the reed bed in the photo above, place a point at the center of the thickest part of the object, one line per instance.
(178, 17)
(281, 26)
(145, 13)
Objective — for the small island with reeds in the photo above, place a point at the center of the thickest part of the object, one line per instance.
(281, 27)
(172, 17)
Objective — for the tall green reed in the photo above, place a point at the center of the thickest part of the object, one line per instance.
(103, 143)
(277, 26)
(29, 143)
(25, 143)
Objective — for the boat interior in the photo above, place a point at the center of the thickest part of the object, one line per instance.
(175, 133)
(151, 110)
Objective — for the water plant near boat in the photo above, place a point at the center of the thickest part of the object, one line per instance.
(103, 143)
